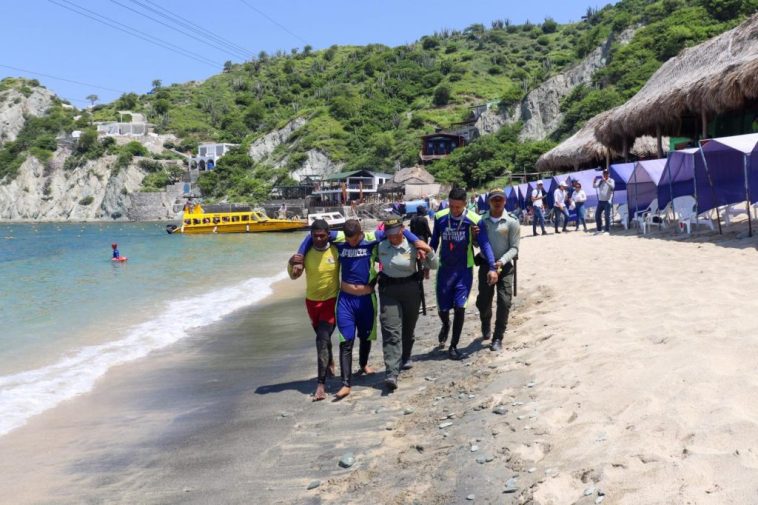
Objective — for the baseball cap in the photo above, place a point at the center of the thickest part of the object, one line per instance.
(392, 226)
(497, 192)
(539, 183)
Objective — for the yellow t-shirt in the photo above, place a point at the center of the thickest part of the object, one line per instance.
(322, 274)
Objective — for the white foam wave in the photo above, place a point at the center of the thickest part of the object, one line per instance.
(32, 392)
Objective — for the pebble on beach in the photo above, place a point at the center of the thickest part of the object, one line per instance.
(347, 460)
(511, 485)
(500, 410)
(314, 484)
(471, 497)
(408, 410)
(445, 424)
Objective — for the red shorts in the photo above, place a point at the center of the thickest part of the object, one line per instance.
(322, 310)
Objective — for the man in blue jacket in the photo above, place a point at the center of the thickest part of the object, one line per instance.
(455, 229)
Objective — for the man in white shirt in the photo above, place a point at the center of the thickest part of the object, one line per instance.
(559, 205)
(605, 186)
(538, 208)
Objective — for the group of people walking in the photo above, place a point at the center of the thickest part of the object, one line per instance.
(342, 279)
(576, 199)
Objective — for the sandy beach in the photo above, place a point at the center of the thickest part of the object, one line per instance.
(625, 379)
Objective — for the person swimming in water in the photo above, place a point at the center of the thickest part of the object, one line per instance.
(116, 254)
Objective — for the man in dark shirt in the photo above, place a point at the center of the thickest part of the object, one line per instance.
(420, 225)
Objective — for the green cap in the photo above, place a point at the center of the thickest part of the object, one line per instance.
(392, 225)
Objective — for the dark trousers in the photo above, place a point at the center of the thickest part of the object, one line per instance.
(323, 349)
(398, 316)
(558, 212)
(346, 358)
(603, 209)
(504, 289)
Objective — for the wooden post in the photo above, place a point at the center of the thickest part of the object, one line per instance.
(705, 124)
(626, 149)
(660, 141)
(608, 158)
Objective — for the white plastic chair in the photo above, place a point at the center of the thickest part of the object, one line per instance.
(685, 211)
(641, 216)
(623, 213)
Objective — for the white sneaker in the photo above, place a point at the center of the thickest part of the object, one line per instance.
(606, 233)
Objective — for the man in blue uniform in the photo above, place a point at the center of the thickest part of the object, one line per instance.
(454, 233)
(356, 302)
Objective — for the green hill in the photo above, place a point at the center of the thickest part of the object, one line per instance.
(367, 106)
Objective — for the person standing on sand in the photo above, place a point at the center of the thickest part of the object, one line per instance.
(559, 206)
(322, 283)
(503, 231)
(356, 302)
(454, 233)
(605, 186)
(538, 194)
(579, 197)
(399, 297)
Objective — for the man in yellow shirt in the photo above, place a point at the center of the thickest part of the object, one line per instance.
(322, 284)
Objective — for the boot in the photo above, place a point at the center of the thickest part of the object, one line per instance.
(445, 330)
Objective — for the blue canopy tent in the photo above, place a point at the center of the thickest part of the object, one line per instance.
(511, 198)
(620, 173)
(586, 178)
(678, 178)
(642, 187)
(522, 196)
(730, 173)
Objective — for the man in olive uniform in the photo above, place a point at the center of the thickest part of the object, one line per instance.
(503, 231)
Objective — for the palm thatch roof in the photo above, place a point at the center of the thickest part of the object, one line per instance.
(716, 76)
(583, 148)
(413, 175)
(580, 149)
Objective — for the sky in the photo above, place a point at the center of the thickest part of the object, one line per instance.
(63, 39)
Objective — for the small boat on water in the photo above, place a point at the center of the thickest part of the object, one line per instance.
(197, 220)
(335, 220)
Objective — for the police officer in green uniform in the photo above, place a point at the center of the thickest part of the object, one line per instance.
(399, 297)
(503, 231)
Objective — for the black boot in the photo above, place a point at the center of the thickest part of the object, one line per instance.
(445, 330)
(496, 345)
(458, 318)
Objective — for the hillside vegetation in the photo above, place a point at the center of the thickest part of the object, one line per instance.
(367, 106)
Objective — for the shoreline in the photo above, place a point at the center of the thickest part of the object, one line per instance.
(618, 393)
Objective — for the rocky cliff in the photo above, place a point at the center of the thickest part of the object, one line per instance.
(540, 111)
(95, 191)
(16, 104)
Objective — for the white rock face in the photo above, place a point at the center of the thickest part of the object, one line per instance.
(264, 146)
(14, 105)
(540, 111)
(317, 164)
(47, 192)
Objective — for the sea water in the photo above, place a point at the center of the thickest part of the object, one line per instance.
(68, 313)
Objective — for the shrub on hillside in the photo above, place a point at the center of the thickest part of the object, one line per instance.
(441, 95)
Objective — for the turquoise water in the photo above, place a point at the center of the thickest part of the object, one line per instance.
(68, 313)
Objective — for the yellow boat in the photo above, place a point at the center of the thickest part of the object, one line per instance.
(196, 221)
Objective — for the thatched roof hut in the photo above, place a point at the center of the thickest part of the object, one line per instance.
(413, 175)
(717, 76)
(584, 149)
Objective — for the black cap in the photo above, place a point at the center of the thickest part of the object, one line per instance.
(392, 225)
(497, 192)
